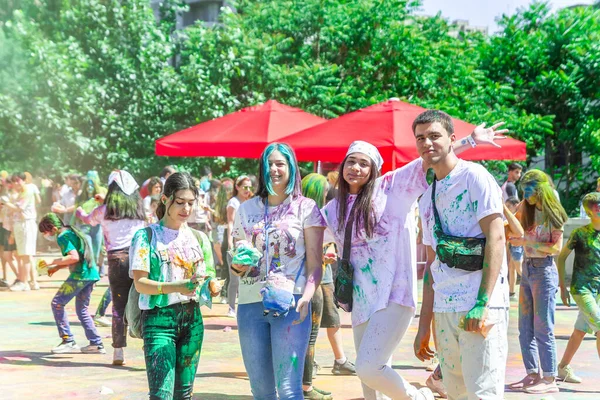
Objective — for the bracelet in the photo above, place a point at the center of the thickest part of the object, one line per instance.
(159, 287)
(471, 141)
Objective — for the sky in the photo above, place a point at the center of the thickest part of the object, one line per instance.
(484, 12)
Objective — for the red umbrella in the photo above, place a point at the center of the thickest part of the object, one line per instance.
(388, 126)
(244, 133)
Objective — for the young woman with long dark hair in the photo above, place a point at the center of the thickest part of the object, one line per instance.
(169, 261)
(287, 229)
(121, 216)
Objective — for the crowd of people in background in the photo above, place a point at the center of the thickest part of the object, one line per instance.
(173, 240)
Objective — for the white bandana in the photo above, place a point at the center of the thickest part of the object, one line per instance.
(368, 149)
(125, 181)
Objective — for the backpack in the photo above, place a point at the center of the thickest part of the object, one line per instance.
(133, 314)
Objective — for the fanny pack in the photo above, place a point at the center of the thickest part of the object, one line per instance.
(277, 291)
(464, 253)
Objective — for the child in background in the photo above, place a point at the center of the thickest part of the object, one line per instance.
(515, 253)
(78, 257)
(585, 283)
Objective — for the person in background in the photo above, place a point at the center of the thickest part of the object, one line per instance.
(121, 216)
(155, 187)
(151, 217)
(515, 253)
(582, 212)
(242, 191)
(68, 196)
(24, 231)
(324, 311)
(219, 233)
(200, 216)
(7, 240)
(509, 188)
(205, 179)
(585, 284)
(332, 182)
(80, 283)
(543, 219)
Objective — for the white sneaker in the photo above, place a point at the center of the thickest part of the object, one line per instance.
(567, 374)
(101, 321)
(425, 394)
(223, 300)
(231, 313)
(19, 287)
(93, 349)
(66, 348)
(437, 386)
(34, 285)
(118, 356)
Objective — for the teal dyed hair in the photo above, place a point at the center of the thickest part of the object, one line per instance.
(265, 186)
(314, 186)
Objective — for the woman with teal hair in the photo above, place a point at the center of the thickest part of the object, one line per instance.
(274, 295)
(543, 218)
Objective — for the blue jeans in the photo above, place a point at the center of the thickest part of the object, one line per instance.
(82, 291)
(273, 350)
(537, 302)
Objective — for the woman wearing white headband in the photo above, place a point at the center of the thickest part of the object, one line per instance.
(383, 257)
(121, 216)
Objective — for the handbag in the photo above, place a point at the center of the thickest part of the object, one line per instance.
(466, 253)
(344, 278)
(277, 291)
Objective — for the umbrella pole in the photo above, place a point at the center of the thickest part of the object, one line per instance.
(319, 167)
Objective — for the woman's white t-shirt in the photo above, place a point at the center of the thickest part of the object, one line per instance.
(286, 224)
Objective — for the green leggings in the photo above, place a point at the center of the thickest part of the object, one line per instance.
(172, 342)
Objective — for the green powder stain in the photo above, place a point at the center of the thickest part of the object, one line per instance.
(360, 294)
(367, 270)
(456, 202)
(475, 205)
(295, 361)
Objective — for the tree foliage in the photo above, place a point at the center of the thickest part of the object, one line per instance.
(92, 83)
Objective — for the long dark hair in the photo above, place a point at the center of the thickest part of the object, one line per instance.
(122, 206)
(176, 182)
(363, 208)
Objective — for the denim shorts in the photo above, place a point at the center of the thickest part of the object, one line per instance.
(516, 252)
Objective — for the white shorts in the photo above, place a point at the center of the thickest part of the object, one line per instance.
(25, 237)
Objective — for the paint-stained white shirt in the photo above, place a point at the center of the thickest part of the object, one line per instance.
(467, 195)
(385, 264)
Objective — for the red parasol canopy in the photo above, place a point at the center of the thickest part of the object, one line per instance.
(244, 133)
(388, 126)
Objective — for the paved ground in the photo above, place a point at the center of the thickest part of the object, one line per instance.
(28, 370)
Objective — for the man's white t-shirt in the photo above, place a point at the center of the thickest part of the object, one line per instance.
(467, 195)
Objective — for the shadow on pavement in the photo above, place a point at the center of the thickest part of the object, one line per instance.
(23, 358)
(215, 396)
(228, 375)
